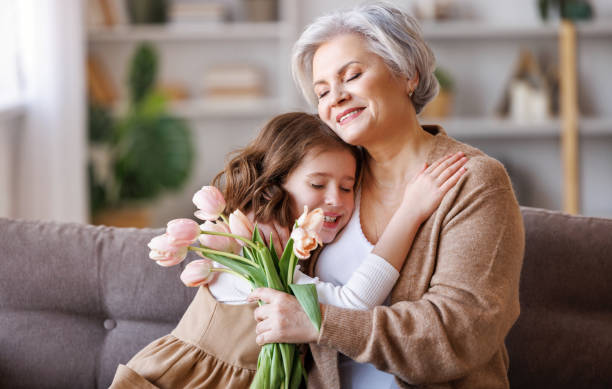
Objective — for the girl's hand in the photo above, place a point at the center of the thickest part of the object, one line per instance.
(281, 319)
(426, 190)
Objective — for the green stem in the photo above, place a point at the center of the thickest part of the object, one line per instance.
(245, 240)
(224, 219)
(224, 270)
(223, 254)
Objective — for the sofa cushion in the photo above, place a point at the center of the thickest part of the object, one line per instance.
(563, 337)
(77, 300)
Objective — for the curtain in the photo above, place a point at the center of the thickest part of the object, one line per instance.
(51, 179)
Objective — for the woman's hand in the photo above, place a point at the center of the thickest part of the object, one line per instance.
(427, 189)
(281, 319)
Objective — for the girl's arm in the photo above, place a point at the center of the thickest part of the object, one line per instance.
(372, 281)
(422, 197)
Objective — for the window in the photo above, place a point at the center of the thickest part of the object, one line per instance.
(9, 58)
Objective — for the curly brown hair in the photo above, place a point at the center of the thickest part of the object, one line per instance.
(253, 178)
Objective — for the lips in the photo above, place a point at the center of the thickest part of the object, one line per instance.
(348, 115)
(331, 220)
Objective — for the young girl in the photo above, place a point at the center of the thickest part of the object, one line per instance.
(295, 161)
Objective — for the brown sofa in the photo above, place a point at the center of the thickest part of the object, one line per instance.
(76, 300)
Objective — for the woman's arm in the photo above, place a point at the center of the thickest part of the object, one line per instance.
(372, 281)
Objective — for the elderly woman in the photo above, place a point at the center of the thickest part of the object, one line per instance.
(369, 73)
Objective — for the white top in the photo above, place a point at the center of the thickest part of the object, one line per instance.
(368, 285)
(337, 264)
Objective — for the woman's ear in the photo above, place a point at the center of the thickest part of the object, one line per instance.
(411, 84)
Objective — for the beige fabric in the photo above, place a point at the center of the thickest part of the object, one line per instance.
(456, 298)
(213, 346)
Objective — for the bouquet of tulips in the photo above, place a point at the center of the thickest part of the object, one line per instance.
(236, 244)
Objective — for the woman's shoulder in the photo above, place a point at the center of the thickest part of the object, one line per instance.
(483, 169)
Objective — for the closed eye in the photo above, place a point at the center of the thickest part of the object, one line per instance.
(321, 95)
(317, 186)
(348, 190)
(353, 77)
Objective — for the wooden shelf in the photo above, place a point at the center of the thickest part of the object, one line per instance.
(494, 128)
(491, 128)
(477, 30)
(180, 32)
(220, 108)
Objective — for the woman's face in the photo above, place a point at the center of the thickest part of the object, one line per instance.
(325, 179)
(358, 97)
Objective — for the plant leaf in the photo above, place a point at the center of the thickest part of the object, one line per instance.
(306, 295)
(283, 264)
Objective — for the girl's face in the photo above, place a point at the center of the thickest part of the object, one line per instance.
(358, 97)
(325, 179)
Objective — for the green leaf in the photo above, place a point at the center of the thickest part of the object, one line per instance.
(284, 262)
(306, 295)
(264, 362)
(257, 276)
(277, 375)
(270, 269)
(288, 352)
(297, 373)
(257, 236)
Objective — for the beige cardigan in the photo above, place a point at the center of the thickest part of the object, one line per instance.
(457, 296)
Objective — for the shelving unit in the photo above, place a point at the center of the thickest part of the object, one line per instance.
(182, 33)
(186, 52)
(478, 54)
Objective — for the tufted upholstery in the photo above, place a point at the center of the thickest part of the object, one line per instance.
(76, 300)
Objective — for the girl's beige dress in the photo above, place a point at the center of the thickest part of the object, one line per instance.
(213, 346)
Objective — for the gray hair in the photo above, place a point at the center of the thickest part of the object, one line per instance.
(388, 31)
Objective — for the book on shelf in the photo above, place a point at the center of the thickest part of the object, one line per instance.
(106, 13)
(234, 80)
(100, 87)
(198, 12)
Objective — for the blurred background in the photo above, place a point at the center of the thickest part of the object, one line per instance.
(116, 111)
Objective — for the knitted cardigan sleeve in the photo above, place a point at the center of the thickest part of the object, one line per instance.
(470, 302)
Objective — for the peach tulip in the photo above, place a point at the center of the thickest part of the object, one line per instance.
(165, 253)
(304, 242)
(182, 232)
(311, 221)
(210, 203)
(306, 235)
(240, 225)
(216, 242)
(198, 272)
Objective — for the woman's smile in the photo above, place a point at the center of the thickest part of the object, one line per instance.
(348, 115)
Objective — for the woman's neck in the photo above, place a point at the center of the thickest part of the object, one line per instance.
(392, 161)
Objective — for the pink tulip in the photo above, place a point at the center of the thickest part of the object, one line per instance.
(198, 272)
(312, 221)
(240, 225)
(165, 253)
(210, 203)
(182, 232)
(216, 242)
(304, 242)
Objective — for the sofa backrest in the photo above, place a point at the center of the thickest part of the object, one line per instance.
(563, 337)
(77, 300)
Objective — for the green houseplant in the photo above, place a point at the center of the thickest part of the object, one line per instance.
(149, 151)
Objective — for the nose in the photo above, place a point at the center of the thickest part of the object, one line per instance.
(332, 195)
(339, 94)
